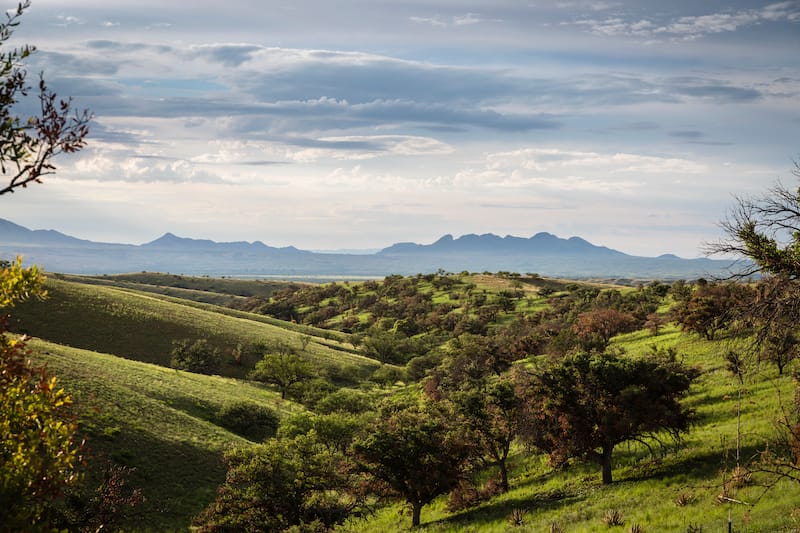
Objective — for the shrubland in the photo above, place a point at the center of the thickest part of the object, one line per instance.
(479, 388)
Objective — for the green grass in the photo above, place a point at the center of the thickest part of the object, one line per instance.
(143, 326)
(160, 421)
(646, 487)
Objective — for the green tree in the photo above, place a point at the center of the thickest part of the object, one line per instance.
(764, 233)
(248, 419)
(39, 452)
(595, 328)
(282, 484)
(197, 355)
(417, 450)
(470, 378)
(764, 230)
(28, 144)
(492, 414)
(587, 404)
(282, 367)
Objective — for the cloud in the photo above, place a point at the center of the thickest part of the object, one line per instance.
(467, 19)
(230, 55)
(357, 147)
(689, 28)
(568, 171)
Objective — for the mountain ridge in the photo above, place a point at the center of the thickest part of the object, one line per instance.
(543, 253)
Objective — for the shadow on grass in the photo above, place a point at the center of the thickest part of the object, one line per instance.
(502, 507)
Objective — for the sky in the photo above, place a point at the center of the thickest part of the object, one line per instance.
(356, 124)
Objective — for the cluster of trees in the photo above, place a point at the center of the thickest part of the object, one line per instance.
(437, 439)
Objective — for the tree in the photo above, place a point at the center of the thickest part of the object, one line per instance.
(470, 378)
(596, 327)
(492, 414)
(282, 484)
(711, 308)
(28, 144)
(764, 230)
(39, 452)
(282, 367)
(416, 449)
(195, 356)
(587, 404)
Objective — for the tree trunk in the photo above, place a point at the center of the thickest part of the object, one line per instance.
(416, 507)
(503, 476)
(605, 462)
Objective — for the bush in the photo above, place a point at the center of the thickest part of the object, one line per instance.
(198, 356)
(250, 420)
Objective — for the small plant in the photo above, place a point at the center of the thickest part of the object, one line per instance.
(684, 498)
(613, 517)
(517, 517)
(556, 527)
(636, 528)
(694, 528)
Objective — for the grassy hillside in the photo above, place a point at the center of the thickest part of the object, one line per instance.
(143, 327)
(160, 421)
(676, 492)
(164, 422)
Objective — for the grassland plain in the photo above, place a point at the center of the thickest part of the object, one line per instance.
(162, 422)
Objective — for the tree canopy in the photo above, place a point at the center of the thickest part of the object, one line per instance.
(587, 404)
(417, 449)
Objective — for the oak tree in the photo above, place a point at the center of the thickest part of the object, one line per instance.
(587, 404)
(416, 450)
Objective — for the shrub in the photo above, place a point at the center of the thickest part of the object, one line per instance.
(250, 420)
(198, 356)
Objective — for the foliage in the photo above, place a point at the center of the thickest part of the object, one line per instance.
(711, 307)
(39, 455)
(248, 419)
(279, 485)
(195, 356)
(596, 327)
(282, 367)
(18, 284)
(416, 449)
(470, 378)
(27, 144)
(587, 404)
(108, 505)
(766, 231)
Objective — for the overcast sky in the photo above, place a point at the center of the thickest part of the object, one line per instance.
(360, 123)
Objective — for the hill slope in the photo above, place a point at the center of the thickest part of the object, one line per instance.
(159, 421)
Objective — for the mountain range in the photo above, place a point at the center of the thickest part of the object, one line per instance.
(543, 253)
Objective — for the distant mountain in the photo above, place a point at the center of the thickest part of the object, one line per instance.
(490, 244)
(543, 253)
